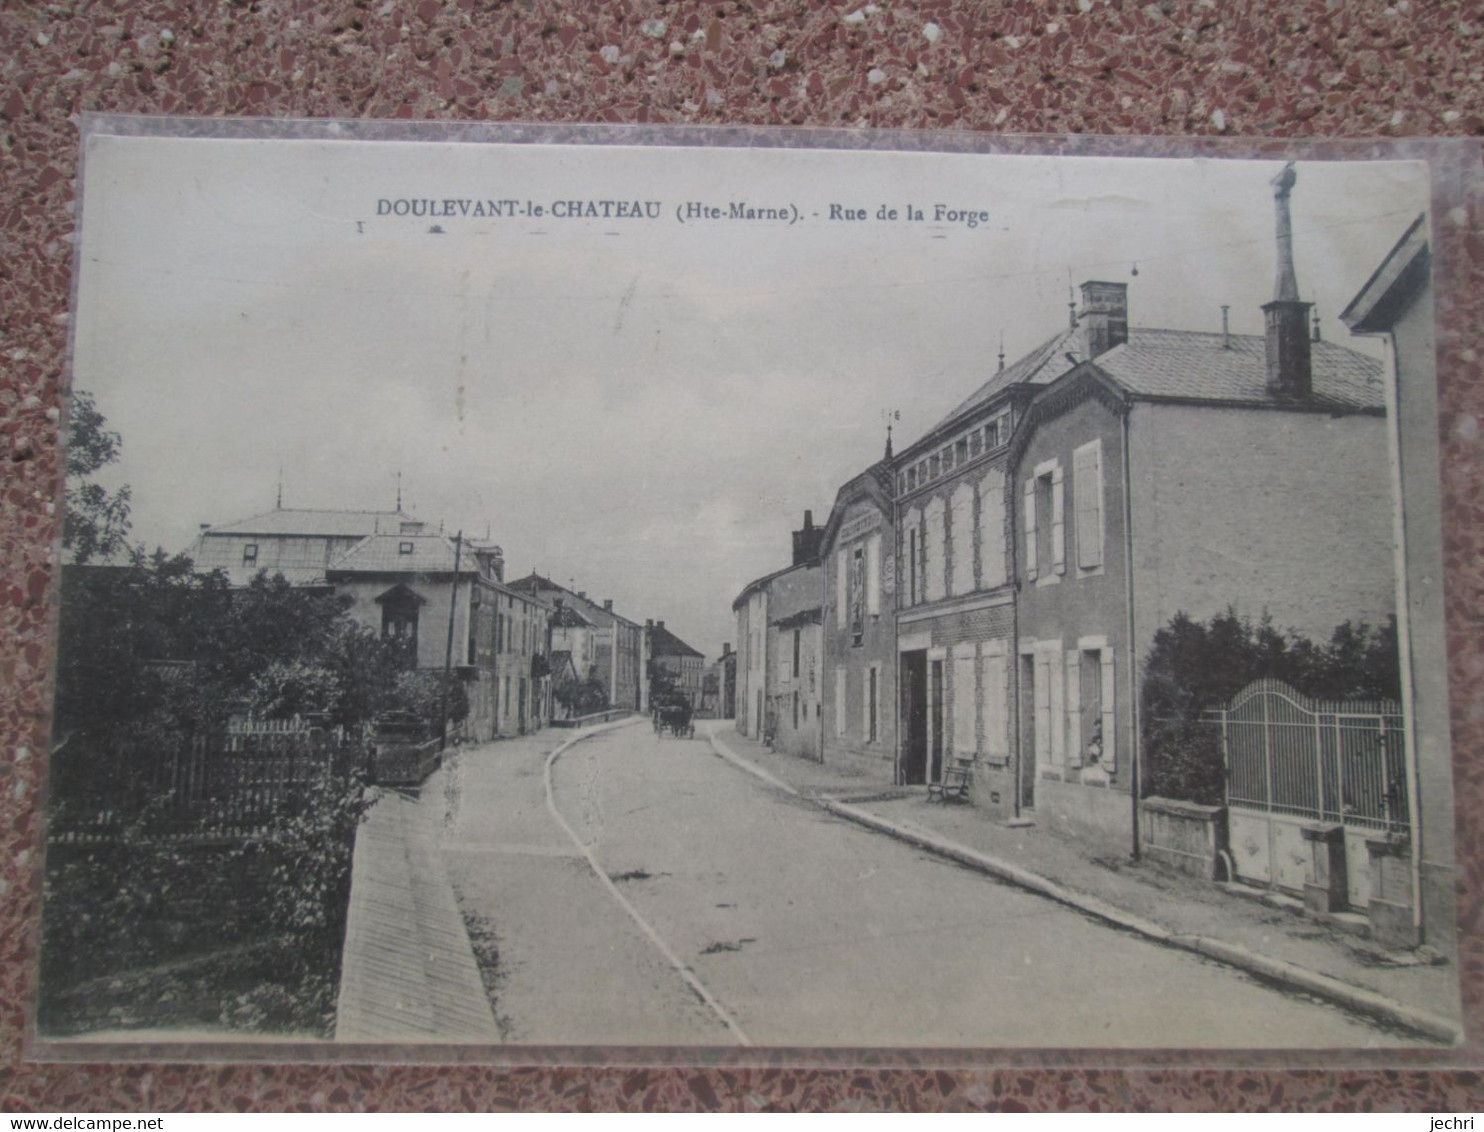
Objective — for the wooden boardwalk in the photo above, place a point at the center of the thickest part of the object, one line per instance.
(408, 973)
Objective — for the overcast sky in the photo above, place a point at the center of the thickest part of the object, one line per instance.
(644, 407)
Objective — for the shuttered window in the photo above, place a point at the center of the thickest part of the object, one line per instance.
(1045, 528)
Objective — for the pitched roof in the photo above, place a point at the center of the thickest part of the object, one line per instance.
(568, 618)
(325, 524)
(1041, 366)
(385, 554)
(534, 583)
(1393, 285)
(662, 642)
(759, 583)
(1192, 365)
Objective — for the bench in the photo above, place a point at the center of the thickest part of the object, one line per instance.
(957, 776)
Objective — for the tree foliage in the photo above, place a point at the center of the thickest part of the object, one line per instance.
(581, 697)
(95, 521)
(1193, 666)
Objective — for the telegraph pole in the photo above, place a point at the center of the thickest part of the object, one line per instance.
(453, 607)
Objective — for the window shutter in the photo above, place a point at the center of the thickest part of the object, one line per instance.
(1109, 762)
(936, 556)
(1043, 711)
(1087, 490)
(1058, 525)
(873, 575)
(842, 589)
(1074, 708)
(992, 531)
(840, 701)
(964, 704)
(922, 560)
(963, 538)
(1056, 708)
(1030, 529)
(995, 718)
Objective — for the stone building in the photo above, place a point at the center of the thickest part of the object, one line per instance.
(685, 666)
(1174, 472)
(780, 655)
(724, 670)
(1396, 305)
(858, 627)
(616, 642)
(298, 543)
(407, 586)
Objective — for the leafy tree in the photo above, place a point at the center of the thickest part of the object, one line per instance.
(582, 697)
(95, 522)
(1193, 666)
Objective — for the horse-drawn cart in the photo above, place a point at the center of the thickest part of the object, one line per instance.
(674, 718)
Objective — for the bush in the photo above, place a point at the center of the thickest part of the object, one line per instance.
(150, 901)
(421, 692)
(582, 697)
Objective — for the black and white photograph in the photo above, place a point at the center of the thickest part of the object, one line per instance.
(520, 592)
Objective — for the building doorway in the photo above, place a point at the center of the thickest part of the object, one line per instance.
(913, 770)
(1027, 713)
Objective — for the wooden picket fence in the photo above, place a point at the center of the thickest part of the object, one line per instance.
(243, 779)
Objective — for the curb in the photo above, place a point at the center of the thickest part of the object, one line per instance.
(428, 989)
(1351, 997)
(1347, 995)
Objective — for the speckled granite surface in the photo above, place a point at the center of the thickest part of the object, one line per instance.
(1362, 68)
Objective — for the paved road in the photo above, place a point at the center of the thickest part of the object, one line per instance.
(731, 912)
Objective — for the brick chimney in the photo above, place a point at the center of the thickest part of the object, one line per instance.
(726, 650)
(807, 540)
(607, 605)
(1104, 318)
(1290, 373)
(659, 624)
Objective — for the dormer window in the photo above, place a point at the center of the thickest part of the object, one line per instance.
(997, 431)
(250, 554)
(404, 548)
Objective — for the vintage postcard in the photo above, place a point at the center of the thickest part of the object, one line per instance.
(521, 592)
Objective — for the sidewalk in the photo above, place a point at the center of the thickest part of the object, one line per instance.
(1260, 936)
(408, 970)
